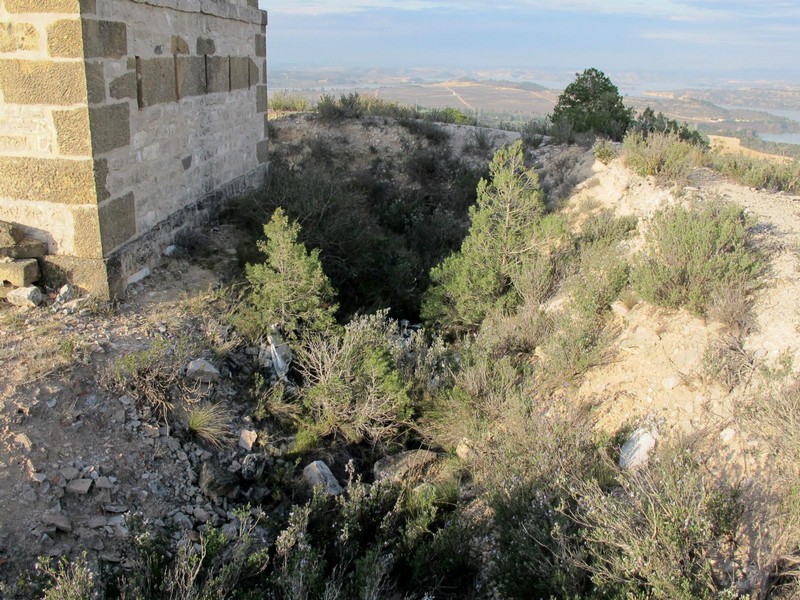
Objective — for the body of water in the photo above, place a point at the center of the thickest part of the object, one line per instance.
(781, 138)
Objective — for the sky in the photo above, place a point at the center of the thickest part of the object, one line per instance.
(676, 36)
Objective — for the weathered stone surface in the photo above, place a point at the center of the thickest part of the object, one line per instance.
(110, 127)
(240, 72)
(191, 73)
(261, 99)
(218, 70)
(178, 45)
(319, 474)
(18, 36)
(58, 520)
(262, 152)
(247, 438)
(19, 272)
(21, 82)
(70, 473)
(79, 487)
(27, 248)
(636, 451)
(123, 86)
(410, 465)
(65, 39)
(201, 370)
(89, 275)
(253, 466)
(26, 297)
(205, 46)
(72, 132)
(215, 481)
(43, 6)
(261, 45)
(158, 81)
(105, 39)
(117, 222)
(10, 234)
(52, 180)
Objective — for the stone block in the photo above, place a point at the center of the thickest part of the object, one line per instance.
(261, 45)
(191, 71)
(19, 273)
(240, 72)
(18, 36)
(124, 86)
(158, 81)
(261, 98)
(95, 82)
(178, 45)
(253, 76)
(21, 82)
(65, 39)
(27, 248)
(55, 180)
(72, 132)
(43, 6)
(262, 152)
(206, 46)
(26, 297)
(218, 74)
(117, 222)
(86, 232)
(105, 39)
(110, 127)
(89, 275)
(10, 234)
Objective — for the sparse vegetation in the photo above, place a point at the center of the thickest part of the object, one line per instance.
(210, 423)
(288, 102)
(662, 155)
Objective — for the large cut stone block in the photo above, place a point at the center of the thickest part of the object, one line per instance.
(117, 222)
(89, 275)
(18, 36)
(191, 76)
(218, 70)
(240, 72)
(158, 81)
(21, 82)
(72, 132)
(53, 180)
(110, 127)
(19, 273)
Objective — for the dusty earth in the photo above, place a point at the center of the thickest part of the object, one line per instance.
(78, 461)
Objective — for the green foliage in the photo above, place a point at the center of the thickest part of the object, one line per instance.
(353, 106)
(605, 151)
(288, 102)
(592, 103)
(665, 534)
(352, 387)
(69, 580)
(479, 277)
(759, 173)
(649, 122)
(289, 289)
(691, 254)
(662, 155)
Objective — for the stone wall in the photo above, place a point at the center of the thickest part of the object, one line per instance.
(122, 121)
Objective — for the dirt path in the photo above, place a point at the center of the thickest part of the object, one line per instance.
(731, 145)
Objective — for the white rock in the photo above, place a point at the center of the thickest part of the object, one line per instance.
(247, 437)
(636, 451)
(727, 434)
(201, 370)
(28, 297)
(318, 473)
(670, 383)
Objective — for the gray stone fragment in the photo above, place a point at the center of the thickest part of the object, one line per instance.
(27, 297)
(201, 370)
(318, 474)
(636, 451)
(79, 486)
(58, 520)
(410, 465)
(253, 466)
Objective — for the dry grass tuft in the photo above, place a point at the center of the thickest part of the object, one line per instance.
(210, 423)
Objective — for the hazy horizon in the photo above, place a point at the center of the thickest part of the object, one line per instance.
(688, 40)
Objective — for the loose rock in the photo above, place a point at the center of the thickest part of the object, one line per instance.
(410, 465)
(201, 370)
(636, 451)
(318, 473)
(27, 297)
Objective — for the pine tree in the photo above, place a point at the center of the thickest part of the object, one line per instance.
(477, 278)
(290, 288)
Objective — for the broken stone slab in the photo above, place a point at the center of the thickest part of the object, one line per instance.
(319, 474)
(103, 483)
(10, 234)
(58, 520)
(636, 451)
(25, 297)
(201, 370)
(27, 248)
(404, 466)
(19, 272)
(79, 487)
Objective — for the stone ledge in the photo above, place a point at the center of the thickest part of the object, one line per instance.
(215, 8)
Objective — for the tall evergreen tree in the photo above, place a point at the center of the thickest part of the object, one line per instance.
(470, 282)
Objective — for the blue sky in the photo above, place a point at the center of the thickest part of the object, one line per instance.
(684, 36)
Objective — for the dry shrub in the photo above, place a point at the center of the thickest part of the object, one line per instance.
(727, 361)
(662, 155)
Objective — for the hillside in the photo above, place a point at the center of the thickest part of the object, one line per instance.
(174, 437)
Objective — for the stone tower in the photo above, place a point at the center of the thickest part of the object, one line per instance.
(123, 121)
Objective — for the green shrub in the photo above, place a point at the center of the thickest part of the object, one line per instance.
(759, 173)
(69, 580)
(662, 155)
(285, 101)
(649, 122)
(665, 533)
(289, 289)
(692, 254)
(351, 386)
(429, 130)
(605, 151)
